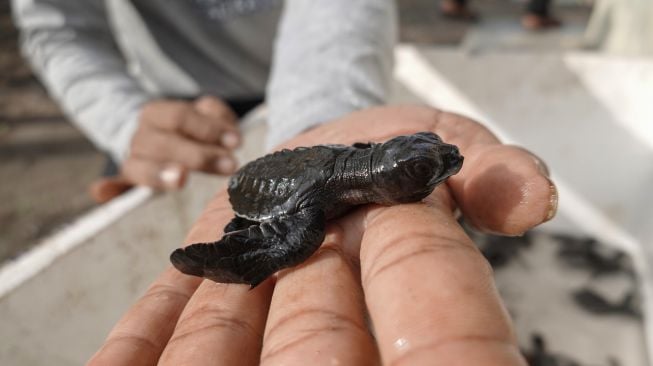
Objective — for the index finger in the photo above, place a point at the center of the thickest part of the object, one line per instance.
(430, 292)
(186, 119)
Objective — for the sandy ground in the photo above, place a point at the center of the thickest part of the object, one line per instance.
(46, 164)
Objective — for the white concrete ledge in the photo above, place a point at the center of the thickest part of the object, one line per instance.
(30, 264)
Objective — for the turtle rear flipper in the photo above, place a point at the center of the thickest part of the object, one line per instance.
(238, 223)
(251, 255)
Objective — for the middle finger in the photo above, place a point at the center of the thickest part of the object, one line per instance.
(317, 314)
(164, 147)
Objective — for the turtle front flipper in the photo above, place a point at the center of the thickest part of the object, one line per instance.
(238, 223)
(362, 145)
(251, 255)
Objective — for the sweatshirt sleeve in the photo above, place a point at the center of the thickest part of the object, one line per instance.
(70, 46)
(331, 58)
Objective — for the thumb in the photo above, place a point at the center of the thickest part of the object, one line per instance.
(105, 189)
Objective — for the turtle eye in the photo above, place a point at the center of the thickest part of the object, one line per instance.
(420, 170)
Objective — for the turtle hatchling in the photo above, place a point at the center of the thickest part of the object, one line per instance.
(284, 200)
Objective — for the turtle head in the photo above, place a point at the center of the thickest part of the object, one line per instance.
(408, 168)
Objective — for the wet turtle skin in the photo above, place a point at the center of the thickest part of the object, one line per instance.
(283, 201)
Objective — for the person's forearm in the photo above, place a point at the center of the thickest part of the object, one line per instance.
(331, 58)
(70, 47)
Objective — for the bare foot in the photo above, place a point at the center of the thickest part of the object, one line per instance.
(535, 22)
(454, 10)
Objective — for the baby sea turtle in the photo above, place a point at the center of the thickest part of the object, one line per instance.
(283, 201)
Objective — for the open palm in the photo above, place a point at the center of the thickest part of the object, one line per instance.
(392, 285)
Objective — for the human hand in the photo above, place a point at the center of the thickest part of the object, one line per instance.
(409, 271)
(172, 138)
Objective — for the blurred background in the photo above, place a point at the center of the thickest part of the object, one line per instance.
(580, 95)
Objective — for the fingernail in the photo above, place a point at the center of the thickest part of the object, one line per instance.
(541, 166)
(170, 177)
(553, 201)
(226, 165)
(230, 139)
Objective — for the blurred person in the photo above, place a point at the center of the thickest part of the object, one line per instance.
(409, 272)
(160, 85)
(457, 9)
(536, 17)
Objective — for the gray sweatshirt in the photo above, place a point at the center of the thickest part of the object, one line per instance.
(103, 59)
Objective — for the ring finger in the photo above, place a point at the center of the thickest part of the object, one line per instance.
(222, 323)
(153, 174)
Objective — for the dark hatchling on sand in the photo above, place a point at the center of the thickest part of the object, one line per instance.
(283, 201)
